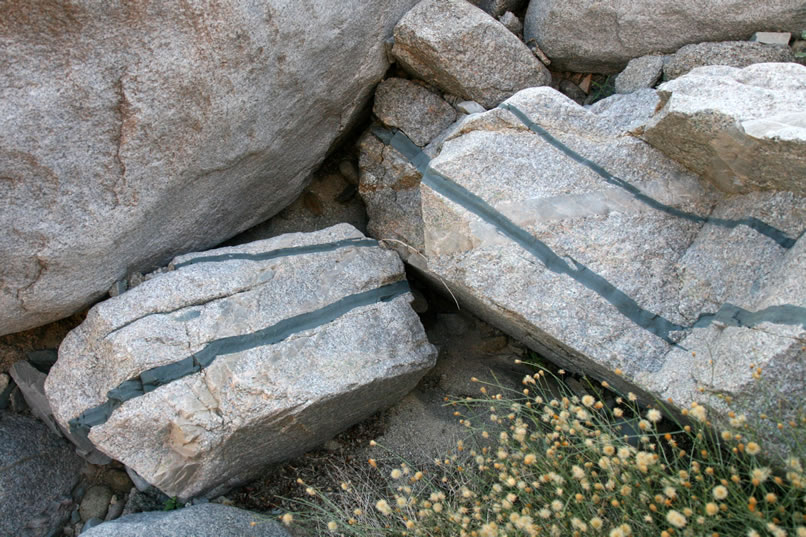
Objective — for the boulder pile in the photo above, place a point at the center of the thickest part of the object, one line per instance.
(644, 229)
(240, 357)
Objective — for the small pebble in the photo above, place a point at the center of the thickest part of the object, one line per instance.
(141, 484)
(115, 508)
(470, 107)
(118, 288)
(312, 202)
(512, 23)
(772, 38)
(95, 502)
(118, 481)
(419, 304)
(348, 170)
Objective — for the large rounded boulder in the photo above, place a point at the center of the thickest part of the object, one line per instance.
(132, 132)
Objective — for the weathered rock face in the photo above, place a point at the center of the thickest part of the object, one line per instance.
(39, 470)
(640, 73)
(593, 36)
(742, 129)
(464, 51)
(390, 188)
(412, 108)
(557, 225)
(240, 357)
(730, 53)
(207, 520)
(129, 134)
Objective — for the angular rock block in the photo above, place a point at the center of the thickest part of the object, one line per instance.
(38, 470)
(640, 73)
(239, 357)
(464, 51)
(602, 36)
(742, 129)
(133, 133)
(557, 225)
(731, 53)
(412, 108)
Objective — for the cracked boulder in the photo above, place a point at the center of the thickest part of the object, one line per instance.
(465, 52)
(601, 37)
(240, 357)
(132, 133)
(742, 129)
(556, 224)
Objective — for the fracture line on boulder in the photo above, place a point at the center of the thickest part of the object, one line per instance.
(280, 252)
(155, 377)
(654, 323)
(780, 237)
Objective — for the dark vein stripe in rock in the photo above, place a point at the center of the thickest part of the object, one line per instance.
(280, 252)
(626, 305)
(759, 226)
(155, 377)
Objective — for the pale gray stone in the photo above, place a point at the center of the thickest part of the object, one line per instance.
(640, 73)
(730, 53)
(573, 256)
(772, 38)
(207, 520)
(512, 23)
(626, 112)
(470, 107)
(412, 108)
(39, 470)
(348, 170)
(117, 480)
(132, 133)
(298, 337)
(95, 502)
(139, 483)
(463, 51)
(742, 129)
(601, 37)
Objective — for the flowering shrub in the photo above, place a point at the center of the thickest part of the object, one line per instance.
(561, 465)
